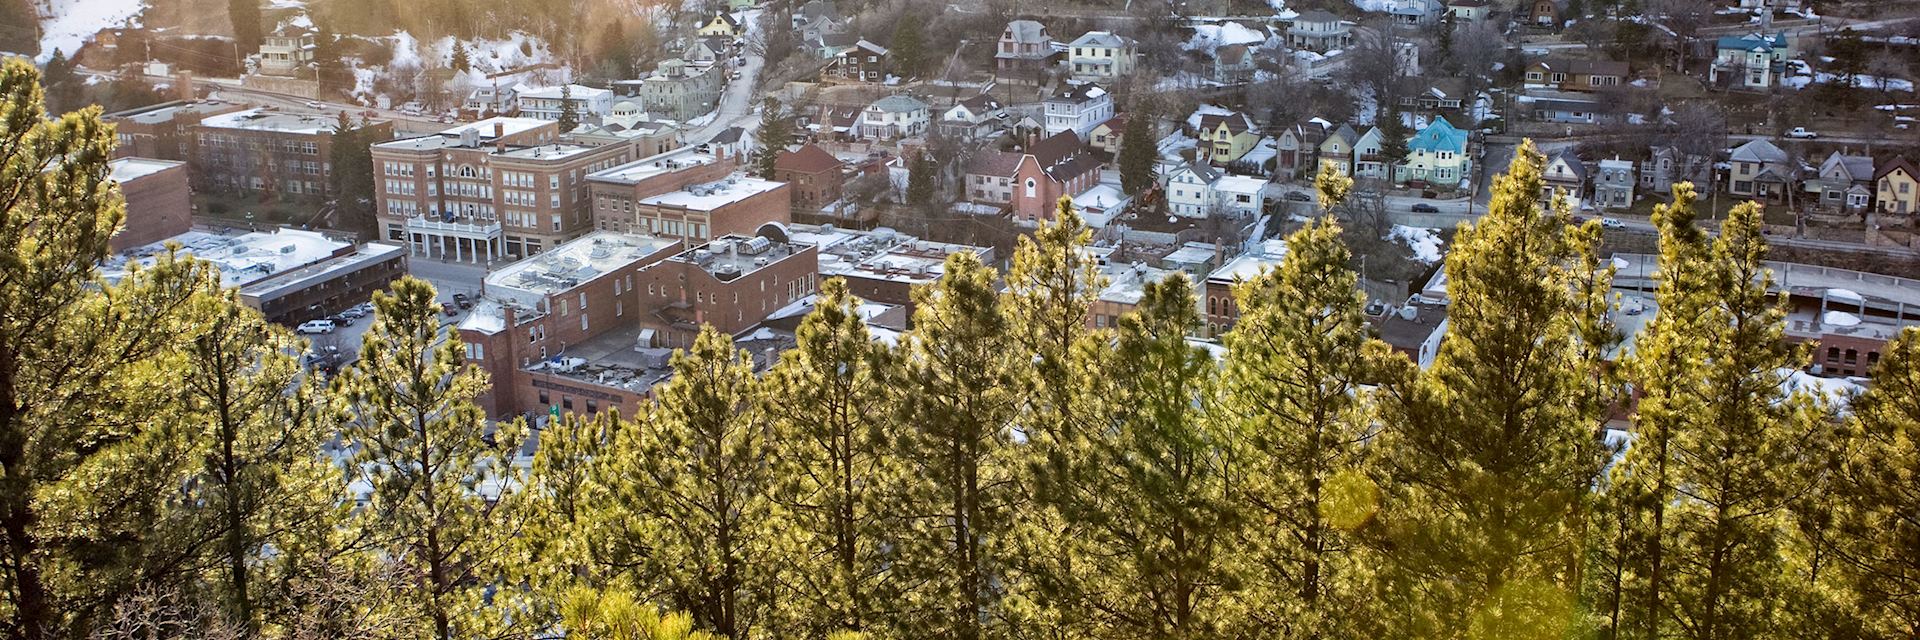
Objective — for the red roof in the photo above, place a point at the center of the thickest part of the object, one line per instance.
(809, 159)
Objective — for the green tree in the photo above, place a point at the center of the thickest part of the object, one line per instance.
(352, 178)
(1302, 432)
(693, 488)
(909, 47)
(330, 71)
(1493, 449)
(920, 181)
(1138, 152)
(569, 111)
(246, 20)
(958, 384)
(84, 367)
(563, 507)
(424, 447)
(616, 615)
(460, 62)
(776, 130)
(1393, 140)
(834, 467)
(63, 85)
(1877, 534)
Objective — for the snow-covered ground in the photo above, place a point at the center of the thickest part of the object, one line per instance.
(485, 57)
(1425, 243)
(1208, 37)
(75, 21)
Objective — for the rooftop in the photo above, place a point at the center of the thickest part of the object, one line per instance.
(301, 278)
(130, 169)
(1251, 264)
(713, 195)
(652, 166)
(166, 113)
(570, 264)
(267, 119)
(733, 256)
(241, 259)
(1127, 283)
(574, 92)
(881, 254)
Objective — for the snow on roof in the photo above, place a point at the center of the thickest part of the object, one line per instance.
(1193, 121)
(241, 259)
(650, 166)
(1845, 294)
(130, 169)
(1251, 264)
(267, 119)
(1840, 319)
(578, 92)
(713, 195)
(566, 266)
(1239, 184)
(1099, 196)
(1126, 284)
(1208, 37)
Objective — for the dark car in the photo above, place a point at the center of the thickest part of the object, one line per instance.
(1422, 207)
(462, 300)
(1297, 196)
(449, 309)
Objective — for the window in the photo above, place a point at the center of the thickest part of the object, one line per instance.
(1031, 192)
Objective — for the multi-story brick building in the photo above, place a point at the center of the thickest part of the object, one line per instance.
(289, 275)
(164, 131)
(880, 265)
(1222, 312)
(615, 191)
(814, 175)
(264, 150)
(690, 193)
(503, 187)
(159, 201)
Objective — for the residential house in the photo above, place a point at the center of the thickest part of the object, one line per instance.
(1567, 107)
(1668, 165)
(827, 46)
(1105, 136)
(1565, 176)
(1025, 53)
(706, 50)
(864, 62)
(976, 118)
(1444, 96)
(1753, 61)
(1233, 64)
(1241, 196)
(1367, 159)
(1545, 13)
(1437, 154)
(989, 177)
(1078, 108)
(1051, 168)
(1566, 74)
(1845, 183)
(894, 117)
(286, 52)
(1760, 171)
(1298, 145)
(488, 101)
(1413, 13)
(722, 24)
(1613, 186)
(1319, 31)
(814, 176)
(1225, 137)
(1898, 186)
(1337, 149)
(1101, 56)
(547, 103)
(1189, 190)
(1468, 10)
(680, 91)
(817, 18)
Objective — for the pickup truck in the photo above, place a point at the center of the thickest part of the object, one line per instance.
(1802, 133)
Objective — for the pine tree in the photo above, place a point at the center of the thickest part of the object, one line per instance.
(460, 62)
(834, 467)
(1493, 449)
(1156, 524)
(776, 129)
(1877, 534)
(616, 615)
(1301, 431)
(909, 50)
(563, 508)
(330, 71)
(693, 489)
(1138, 152)
(261, 424)
(569, 112)
(960, 405)
(423, 447)
(62, 84)
(1393, 140)
(920, 181)
(1743, 456)
(352, 178)
(245, 16)
(84, 365)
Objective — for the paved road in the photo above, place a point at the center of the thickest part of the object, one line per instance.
(737, 104)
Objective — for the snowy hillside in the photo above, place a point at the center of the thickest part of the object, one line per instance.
(75, 21)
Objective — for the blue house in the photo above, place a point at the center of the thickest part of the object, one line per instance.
(1437, 155)
(1752, 61)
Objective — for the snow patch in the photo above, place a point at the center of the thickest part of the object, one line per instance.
(1208, 37)
(72, 23)
(1425, 243)
(1840, 319)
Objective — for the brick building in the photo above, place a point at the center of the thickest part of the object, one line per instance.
(499, 188)
(881, 266)
(164, 131)
(289, 275)
(159, 201)
(1221, 311)
(814, 175)
(267, 151)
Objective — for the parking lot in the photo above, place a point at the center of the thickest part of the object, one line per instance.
(447, 279)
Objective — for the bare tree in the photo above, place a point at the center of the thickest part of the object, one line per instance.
(1886, 66)
(1374, 63)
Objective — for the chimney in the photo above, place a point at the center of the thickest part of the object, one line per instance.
(499, 129)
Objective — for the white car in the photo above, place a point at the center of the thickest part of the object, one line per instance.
(1612, 223)
(315, 104)
(316, 326)
(1802, 133)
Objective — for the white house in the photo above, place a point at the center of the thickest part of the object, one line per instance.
(589, 104)
(974, 118)
(1078, 108)
(894, 117)
(1190, 190)
(1101, 56)
(1239, 195)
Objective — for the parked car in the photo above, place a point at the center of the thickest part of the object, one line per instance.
(315, 104)
(1802, 133)
(342, 319)
(1422, 207)
(1298, 196)
(1612, 223)
(462, 300)
(316, 326)
(449, 309)
(354, 312)
(321, 356)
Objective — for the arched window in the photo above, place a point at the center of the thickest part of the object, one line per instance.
(1030, 188)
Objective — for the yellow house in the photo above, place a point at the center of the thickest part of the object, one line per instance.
(1225, 138)
(1897, 187)
(1337, 150)
(723, 24)
(1106, 135)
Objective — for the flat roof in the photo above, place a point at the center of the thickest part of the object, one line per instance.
(571, 263)
(883, 254)
(732, 256)
(166, 113)
(1249, 265)
(307, 276)
(451, 137)
(547, 151)
(130, 169)
(1127, 283)
(241, 259)
(267, 119)
(656, 165)
(713, 195)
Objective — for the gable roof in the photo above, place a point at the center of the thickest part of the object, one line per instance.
(807, 159)
(1026, 31)
(1752, 41)
(1055, 148)
(1590, 67)
(732, 22)
(1316, 16)
(898, 104)
(1236, 122)
(1439, 135)
(1897, 163)
(1758, 151)
(1099, 39)
(867, 46)
(1573, 164)
(728, 135)
(998, 163)
(818, 9)
(1077, 93)
(1853, 167)
(1205, 172)
(1233, 54)
(1344, 132)
(980, 104)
